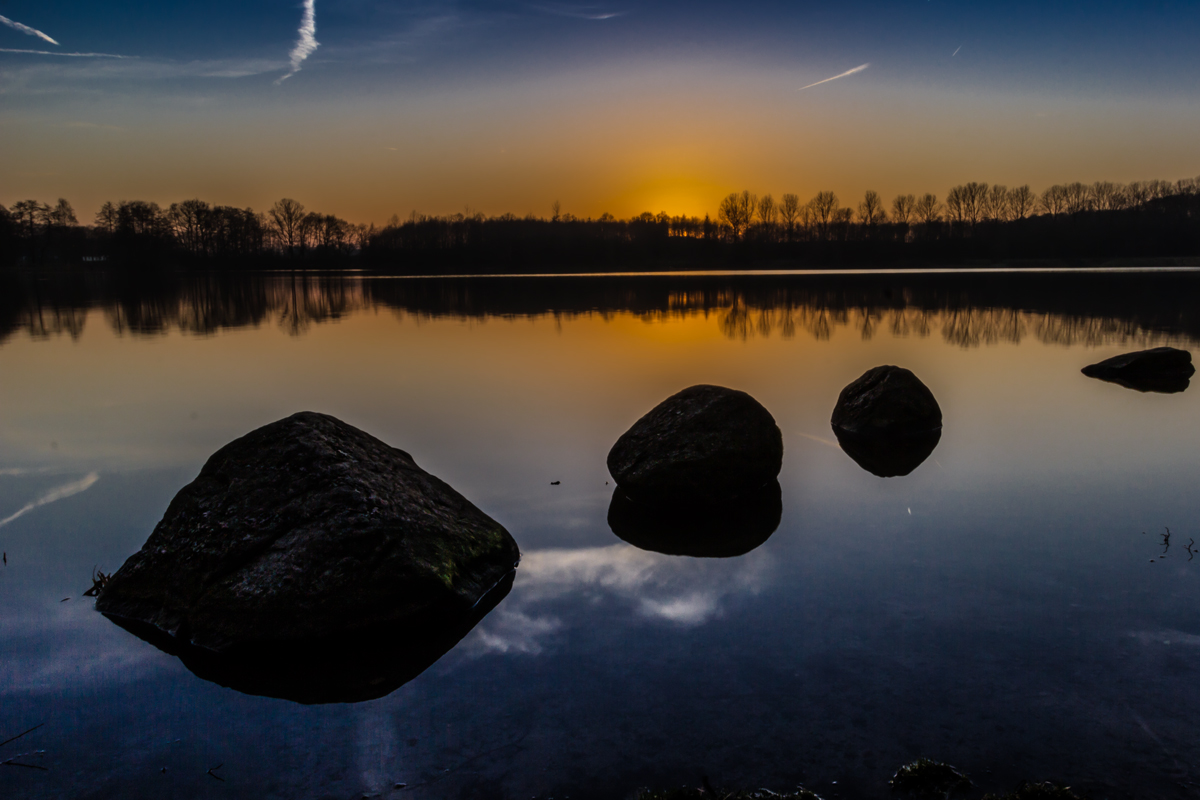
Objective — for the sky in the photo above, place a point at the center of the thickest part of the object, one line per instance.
(365, 108)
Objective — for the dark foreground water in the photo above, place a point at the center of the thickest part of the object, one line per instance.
(1012, 606)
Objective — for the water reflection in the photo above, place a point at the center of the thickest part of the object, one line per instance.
(968, 310)
(732, 528)
(349, 668)
(888, 456)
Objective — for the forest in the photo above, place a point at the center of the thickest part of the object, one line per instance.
(973, 223)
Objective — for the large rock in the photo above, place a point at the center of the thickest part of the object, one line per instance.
(304, 531)
(886, 401)
(705, 442)
(1160, 369)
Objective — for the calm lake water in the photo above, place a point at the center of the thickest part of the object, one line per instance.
(1012, 606)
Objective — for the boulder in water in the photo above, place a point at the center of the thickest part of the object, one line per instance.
(1160, 369)
(706, 442)
(304, 532)
(886, 401)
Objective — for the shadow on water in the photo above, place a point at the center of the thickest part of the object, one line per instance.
(349, 668)
(966, 309)
(732, 528)
(888, 456)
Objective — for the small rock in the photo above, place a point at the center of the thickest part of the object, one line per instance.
(887, 401)
(703, 443)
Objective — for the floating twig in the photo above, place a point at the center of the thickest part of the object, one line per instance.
(99, 581)
(11, 763)
(213, 774)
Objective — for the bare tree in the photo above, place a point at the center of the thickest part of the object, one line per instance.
(965, 203)
(824, 207)
(1078, 197)
(286, 218)
(737, 212)
(903, 208)
(1053, 200)
(928, 210)
(1107, 196)
(789, 213)
(555, 211)
(768, 212)
(870, 210)
(995, 204)
(1021, 202)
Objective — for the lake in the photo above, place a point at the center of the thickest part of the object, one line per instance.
(1013, 606)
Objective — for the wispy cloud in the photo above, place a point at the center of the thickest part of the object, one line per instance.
(55, 53)
(578, 12)
(16, 26)
(845, 74)
(54, 495)
(307, 43)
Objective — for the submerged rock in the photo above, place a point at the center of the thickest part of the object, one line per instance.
(889, 456)
(887, 401)
(706, 442)
(305, 532)
(703, 530)
(1160, 369)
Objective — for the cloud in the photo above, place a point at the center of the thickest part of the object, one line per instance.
(847, 73)
(16, 26)
(307, 43)
(68, 55)
(681, 592)
(578, 12)
(54, 495)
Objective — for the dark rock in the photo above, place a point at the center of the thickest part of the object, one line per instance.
(1161, 369)
(887, 401)
(706, 442)
(304, 530)
(348, 667)
(888, 456)
(704, 530)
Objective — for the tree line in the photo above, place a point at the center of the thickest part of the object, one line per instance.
(973, 221)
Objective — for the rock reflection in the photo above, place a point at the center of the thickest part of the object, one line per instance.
(703, 530)
(888, 456)
(349, 668)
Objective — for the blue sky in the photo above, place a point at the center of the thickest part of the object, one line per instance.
(540, 82)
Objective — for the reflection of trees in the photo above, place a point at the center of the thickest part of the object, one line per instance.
(968, 311)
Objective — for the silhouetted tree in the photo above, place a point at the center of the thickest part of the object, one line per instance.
(903, 208)
(824, 207)
(870, 210)
(768, 212)
(789, 214)
(1021, 202)
(286, 218)
(737, 212)
(928, 210)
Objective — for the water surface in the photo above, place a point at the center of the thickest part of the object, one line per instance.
(1010, 606)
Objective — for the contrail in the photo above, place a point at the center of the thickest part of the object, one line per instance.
(952, 55)
(69, 55)
(58, 493)
(16, 26)
(859, 68)
(307, 42)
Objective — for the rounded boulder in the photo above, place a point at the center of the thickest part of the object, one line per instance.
(703, 442)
